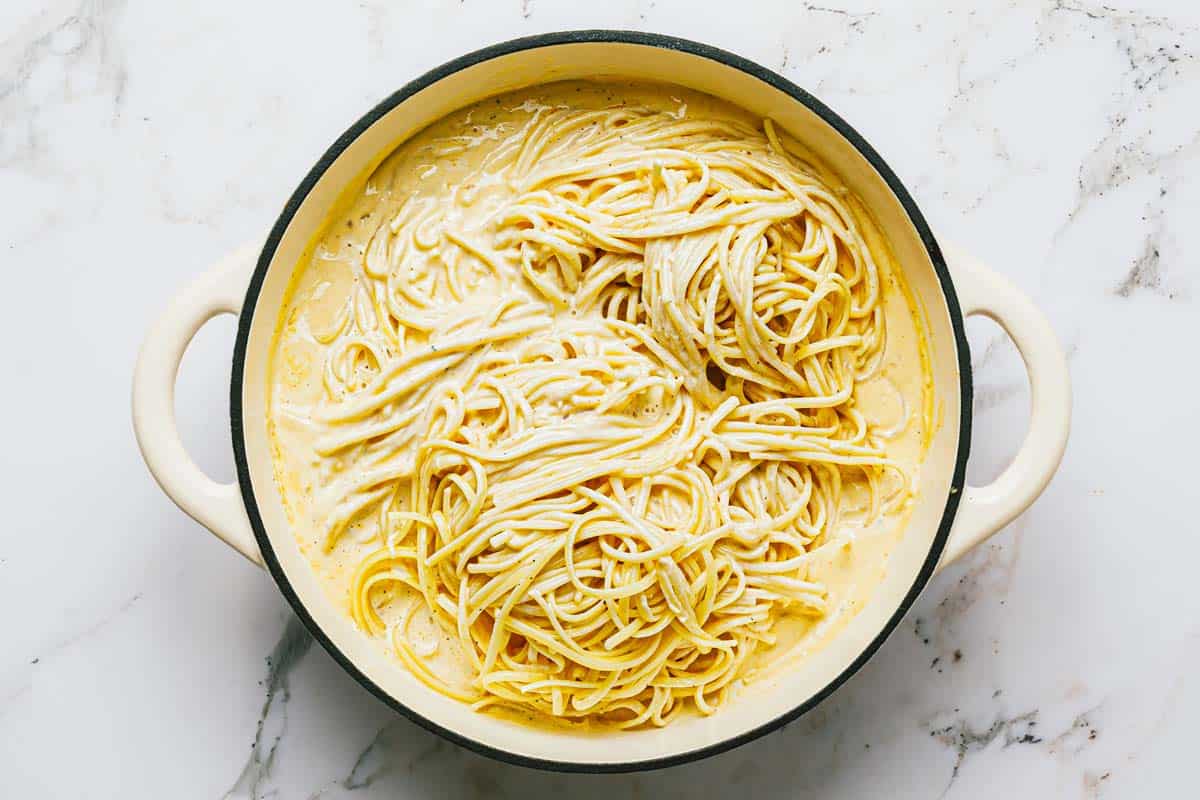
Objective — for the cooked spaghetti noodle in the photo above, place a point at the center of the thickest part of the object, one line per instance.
(594, 411)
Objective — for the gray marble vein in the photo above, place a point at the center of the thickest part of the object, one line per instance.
(965, 740)
(73, 57)
(289, 651)
(385, 755)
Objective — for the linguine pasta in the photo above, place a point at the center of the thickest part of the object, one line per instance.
(592, 409)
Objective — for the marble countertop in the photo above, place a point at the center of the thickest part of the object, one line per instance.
(141, 140)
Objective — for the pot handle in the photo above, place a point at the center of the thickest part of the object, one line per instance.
(216, 506)
(985, 509)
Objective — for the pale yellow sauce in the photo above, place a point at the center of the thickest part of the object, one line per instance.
(424, 167)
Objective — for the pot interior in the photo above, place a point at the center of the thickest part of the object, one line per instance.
(547, 59)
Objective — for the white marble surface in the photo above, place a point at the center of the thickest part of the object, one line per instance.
(141, 140)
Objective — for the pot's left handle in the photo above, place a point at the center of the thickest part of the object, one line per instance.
(216, 506)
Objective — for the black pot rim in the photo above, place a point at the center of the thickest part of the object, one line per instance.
(616, 37)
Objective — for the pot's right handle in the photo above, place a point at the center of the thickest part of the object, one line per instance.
(985, 509)
(216, 506)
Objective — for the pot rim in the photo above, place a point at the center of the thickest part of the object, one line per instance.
(620, 37)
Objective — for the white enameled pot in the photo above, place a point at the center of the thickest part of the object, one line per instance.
(949, 517)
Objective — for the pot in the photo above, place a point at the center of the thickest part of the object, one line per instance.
(948, 519)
